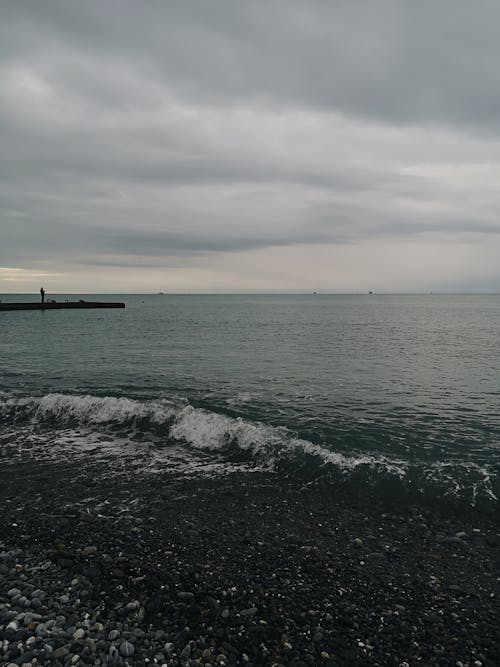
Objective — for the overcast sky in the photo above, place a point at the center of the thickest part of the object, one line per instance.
(271, 145)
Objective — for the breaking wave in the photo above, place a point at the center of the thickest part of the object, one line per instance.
(276, 448)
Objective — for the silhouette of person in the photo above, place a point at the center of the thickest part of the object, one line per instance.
(42, 294)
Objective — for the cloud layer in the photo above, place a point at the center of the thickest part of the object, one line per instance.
(226, 146)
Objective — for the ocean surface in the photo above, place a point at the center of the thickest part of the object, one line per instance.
(395, 396)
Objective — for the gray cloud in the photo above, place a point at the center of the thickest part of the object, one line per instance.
(402, 62)
(163, 132)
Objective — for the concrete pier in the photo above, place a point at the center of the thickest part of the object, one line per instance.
(54, 305)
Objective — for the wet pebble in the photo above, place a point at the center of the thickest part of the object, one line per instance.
(126, 649)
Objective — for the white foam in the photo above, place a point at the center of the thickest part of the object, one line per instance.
(215, 432)
(465, 471)
(199, 428)
(92, 409)
(210, 432)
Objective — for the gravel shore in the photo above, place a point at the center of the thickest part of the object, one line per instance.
(101, 564)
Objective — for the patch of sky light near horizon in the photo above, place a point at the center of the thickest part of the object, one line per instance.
(327, 138)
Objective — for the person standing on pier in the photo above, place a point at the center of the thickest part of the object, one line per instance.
(42, 294)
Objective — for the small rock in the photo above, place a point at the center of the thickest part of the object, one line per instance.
(89, 550)
(135, 604)
(60, 652)
(186, 652)
(114, 656)
(251, 611)
(185, 595)
(127, 649)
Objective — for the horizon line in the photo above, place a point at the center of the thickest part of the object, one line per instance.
(272, 293)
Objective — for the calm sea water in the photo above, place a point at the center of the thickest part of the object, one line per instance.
(391, 395)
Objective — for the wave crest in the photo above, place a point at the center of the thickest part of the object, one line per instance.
(278, 448)
(87, 409)
(197, 427)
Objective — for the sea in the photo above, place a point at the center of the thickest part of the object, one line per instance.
(393, 397)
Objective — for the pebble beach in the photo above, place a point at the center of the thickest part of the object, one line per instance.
(137, 568)
(249, 334)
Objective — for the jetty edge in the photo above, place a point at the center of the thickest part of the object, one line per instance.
(58, 305)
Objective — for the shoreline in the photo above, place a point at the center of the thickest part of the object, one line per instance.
(248, 568)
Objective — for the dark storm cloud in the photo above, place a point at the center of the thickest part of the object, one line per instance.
(134, 130)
